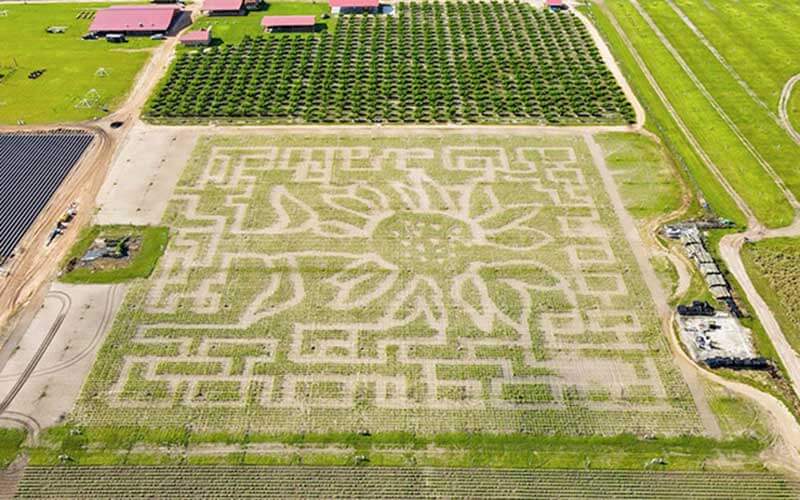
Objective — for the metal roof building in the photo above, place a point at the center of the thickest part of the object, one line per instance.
(135, 19)
(288, 22)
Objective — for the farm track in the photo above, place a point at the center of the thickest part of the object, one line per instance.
(96, 338)
(721, 59)
(783, 106)
(391, 482)
(785, 424)
(790, 197)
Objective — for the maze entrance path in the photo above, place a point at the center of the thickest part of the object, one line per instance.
(437, 283)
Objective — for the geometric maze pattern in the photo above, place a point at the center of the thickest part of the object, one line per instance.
(444, 276)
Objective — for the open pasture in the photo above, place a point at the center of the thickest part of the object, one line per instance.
(82, 79)
(459, 62)
(733, 120)
(382, 283)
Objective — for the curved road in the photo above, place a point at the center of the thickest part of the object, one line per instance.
(783, 107)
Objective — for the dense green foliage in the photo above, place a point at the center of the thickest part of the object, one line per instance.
(481, 62)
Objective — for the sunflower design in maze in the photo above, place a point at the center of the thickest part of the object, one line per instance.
(351, 281)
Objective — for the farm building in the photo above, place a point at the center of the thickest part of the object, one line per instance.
(288, 23)
(196, 38)
(135, 19)
(224, 7)
(556, 5)
(354, 6)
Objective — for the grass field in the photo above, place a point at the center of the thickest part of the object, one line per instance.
(644, 173)
(10, 442)
(794, 108)
(233, 29)
(661, 122)
(154, 241)
(717, 136)
(773, 267)
(490, 62)
(346, 282)
(331, 482)
(70, 88)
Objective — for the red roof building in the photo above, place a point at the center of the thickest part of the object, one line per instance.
(271, 22)
(338, 6)
(199, 37)
(556, 4)
(135, 19)
(223, 6)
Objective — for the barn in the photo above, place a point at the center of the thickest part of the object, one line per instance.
(196, 38)
(140, 20)
(354, 6)
(224, 7)
(288, 23)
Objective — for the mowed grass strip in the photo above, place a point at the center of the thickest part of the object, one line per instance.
(758, 124)
(759, 39)
(71, 65)
(660, 121)
(725, 149)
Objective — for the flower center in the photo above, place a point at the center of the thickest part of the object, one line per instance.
(415, 241)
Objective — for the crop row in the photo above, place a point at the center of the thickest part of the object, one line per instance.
(493, 62)
(388, 482)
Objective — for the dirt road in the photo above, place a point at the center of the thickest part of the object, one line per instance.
(783, 108)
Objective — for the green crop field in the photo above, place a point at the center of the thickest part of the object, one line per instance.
(488, 62)
(774, 267)
(389, 482)
(738, 130)
(436, 284)
(81, 80)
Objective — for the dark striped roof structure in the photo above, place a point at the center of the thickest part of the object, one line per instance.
(32, 166)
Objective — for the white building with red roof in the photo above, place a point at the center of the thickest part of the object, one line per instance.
(223, 7)
(197, 37)
(288, 23)
(135, 19)
(354, 6)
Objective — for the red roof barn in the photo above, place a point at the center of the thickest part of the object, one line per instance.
(223, 7)
(135, 19)
(273, 23)
(199, 37)
(342, 6)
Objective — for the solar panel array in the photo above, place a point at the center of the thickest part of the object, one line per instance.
(32, 166)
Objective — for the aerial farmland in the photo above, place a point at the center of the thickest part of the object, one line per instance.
(414, 249)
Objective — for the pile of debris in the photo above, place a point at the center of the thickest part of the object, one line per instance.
(106, 253)
(695, 248)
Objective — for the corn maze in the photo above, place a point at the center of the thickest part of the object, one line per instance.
(389, 482)
(351, 283)
(456, 62)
